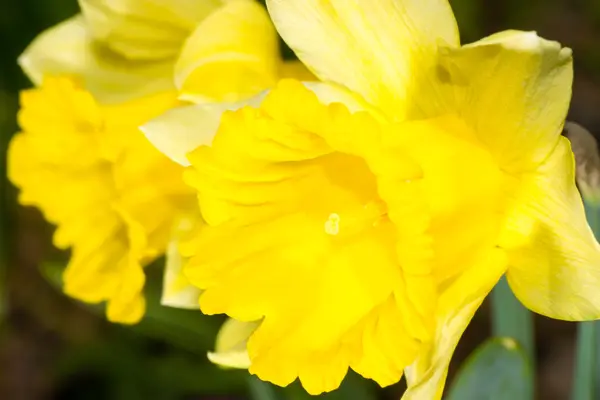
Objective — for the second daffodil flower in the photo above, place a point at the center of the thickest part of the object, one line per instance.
(209, 50)
(112, 196)
(362, 220)
(117, 202)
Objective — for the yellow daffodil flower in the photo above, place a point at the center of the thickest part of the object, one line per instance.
(111, 194)
(362, 220)
(209, 50)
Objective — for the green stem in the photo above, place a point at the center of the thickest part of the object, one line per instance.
(584, 373)
(260, 390)
(511, 319)
(585, 384)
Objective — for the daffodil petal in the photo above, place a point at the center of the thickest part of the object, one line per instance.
(385, 50)
(295, 70)
(426, 377)
(232, 339)
(177, 291)
(129, 304)
(514, 88)
(181, 130)
(144, 29)
(68, 49)
(232, 54)
(554, 257)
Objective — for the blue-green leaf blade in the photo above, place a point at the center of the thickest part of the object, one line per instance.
(497, 370)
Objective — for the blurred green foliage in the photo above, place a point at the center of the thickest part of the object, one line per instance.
(498, 370)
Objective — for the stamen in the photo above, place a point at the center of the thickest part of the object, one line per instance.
(332, 225)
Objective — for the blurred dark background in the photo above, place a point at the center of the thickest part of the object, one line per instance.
(54, 348)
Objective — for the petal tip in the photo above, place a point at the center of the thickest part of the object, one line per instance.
(154, 132)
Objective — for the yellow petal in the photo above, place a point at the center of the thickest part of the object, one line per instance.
(68, 49)
(232, 54)
(460, 185)
(514, 89)
(458, 302)
(384, 50)
(295, 70)
(232, 339)
(555, 259)
(145, 29)
(177, 291)
(181, 130)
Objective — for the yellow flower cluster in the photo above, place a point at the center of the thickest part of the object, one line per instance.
(354, 218)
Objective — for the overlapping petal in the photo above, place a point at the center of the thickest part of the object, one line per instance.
(386, 50)
(554, 257)
(232, 340)
(458, 303)
(514, 89)
(177, 291)
(69, 49)
(181, 130)
(233, 54)
(145, 29)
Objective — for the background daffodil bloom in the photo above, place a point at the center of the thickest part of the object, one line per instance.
(112, 195)
(126, 52)
(372, 213)
(209, 50)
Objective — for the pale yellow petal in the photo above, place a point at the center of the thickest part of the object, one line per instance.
(177, 291)
(145, 29)
(554, 257)
(426, 377)
(514, 88)
(232, 339)
(68, 49)
(385, 50)
(181, 130)
(233, 54)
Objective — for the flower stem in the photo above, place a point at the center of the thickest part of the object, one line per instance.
(587, 364)
(260, 390)
(584, 373)
(511, 319)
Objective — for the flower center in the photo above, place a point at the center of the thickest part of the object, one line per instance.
(344, 198)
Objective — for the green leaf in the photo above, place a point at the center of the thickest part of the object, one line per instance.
(585, 355)
(186, 329)
(511, 319)
(353, 387)
(585, 383)
(497, 370)
(260, 390)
